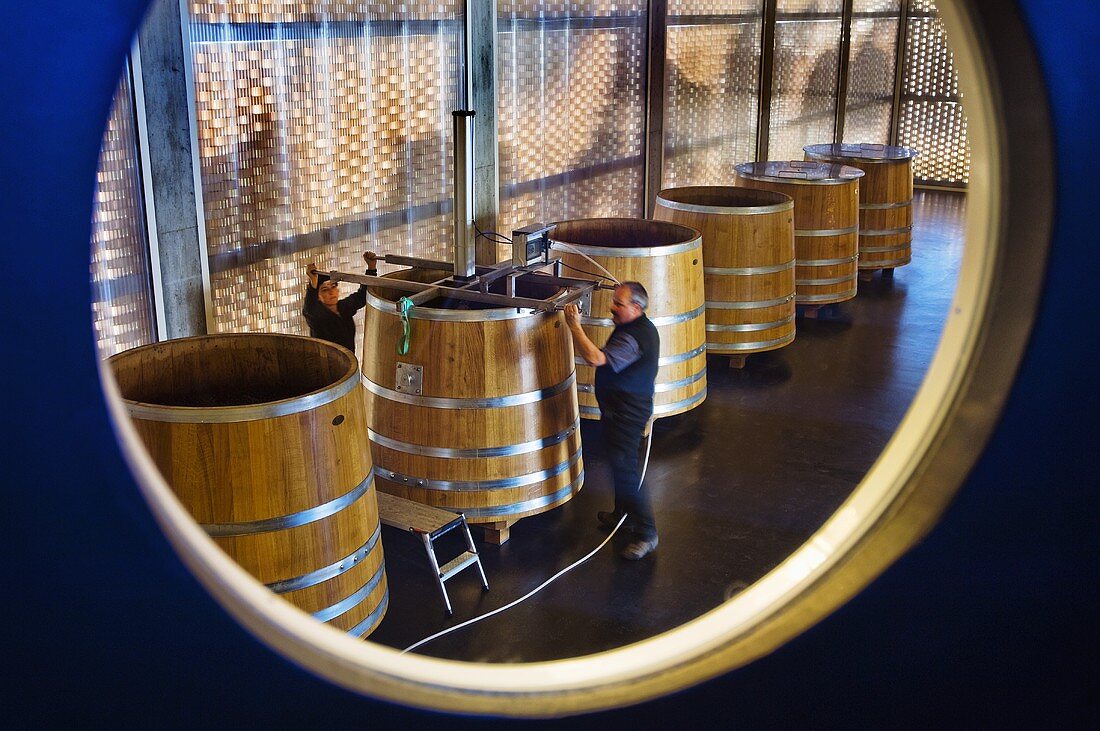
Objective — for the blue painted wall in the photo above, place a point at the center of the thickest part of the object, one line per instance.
(991, 618)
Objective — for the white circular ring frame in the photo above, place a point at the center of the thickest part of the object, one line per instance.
(799, 592)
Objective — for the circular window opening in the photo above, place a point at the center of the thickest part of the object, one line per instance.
(893, 506)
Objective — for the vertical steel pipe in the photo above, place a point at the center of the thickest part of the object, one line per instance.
(464, 259)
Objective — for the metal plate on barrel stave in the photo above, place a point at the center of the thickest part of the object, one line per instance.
(410, 378)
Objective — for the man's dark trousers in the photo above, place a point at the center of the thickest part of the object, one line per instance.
(624, 416)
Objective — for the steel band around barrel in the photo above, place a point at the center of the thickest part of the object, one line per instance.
(830, 297)
(887, 231)
(233, 414)
(662, 361)
(327, 572)
(478, 485)
(355, 599)
(657, 321)
(749, 327)
(820, 232)
(681, 357)
(441, 402)
(501, 511)
(824, 282)
(282, 522)
(658, 387)
(673, 385)
(886, 264)
(751, 305)
(726, 210)
(629, 252)
(749, 271)
(662, 409)
(372, 619)
(827, 262)
(758, 345)
(659, 409)
(474, 452)
(884, 206)
(883, 249)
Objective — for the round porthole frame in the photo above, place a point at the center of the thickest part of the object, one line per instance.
(1010, 204)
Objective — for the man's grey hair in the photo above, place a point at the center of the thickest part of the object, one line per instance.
(638, 295)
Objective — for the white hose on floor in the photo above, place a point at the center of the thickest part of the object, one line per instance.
(552, 579)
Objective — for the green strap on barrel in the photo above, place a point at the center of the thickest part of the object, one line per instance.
(403, 306)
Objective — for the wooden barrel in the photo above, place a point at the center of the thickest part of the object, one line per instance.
(667, 259)
(261, 436)
(826, 223)
(748, 263)
(480, 415)
(885, 199)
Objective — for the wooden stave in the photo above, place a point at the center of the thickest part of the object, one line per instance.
(742, 223)
(300, 451)
(543, 341)
(682, 263)
(887, 181)
(681, 338)
(891, 183)
(831, 206)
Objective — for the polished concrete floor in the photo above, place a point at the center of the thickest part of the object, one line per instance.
(737, 484)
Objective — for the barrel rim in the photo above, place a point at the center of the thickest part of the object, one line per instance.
(830, 151)
(632, 252)
(146, 411)
(848, 174)
(438, 314)
(786, 203)
(691, 240)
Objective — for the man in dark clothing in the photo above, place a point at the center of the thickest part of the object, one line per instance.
(329, 317)
(626, 368)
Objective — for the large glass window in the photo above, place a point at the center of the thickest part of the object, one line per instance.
(571, 109)
(932, 118)
(872, 67)
(324, 129)
(122, 292)
(805, 74)
(712, 89)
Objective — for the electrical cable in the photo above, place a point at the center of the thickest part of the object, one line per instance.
(488, 235)
(543, 585)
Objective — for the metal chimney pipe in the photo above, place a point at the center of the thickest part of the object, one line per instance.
(465, 243)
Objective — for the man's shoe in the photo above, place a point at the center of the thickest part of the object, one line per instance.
(609, 519)
(639, 549)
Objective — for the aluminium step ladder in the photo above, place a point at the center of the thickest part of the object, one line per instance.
(431, 523)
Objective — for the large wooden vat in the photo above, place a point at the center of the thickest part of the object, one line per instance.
(480, 416)
(262, 438)
(885, 199)
(667, 259)
(748, 263)
(826, 223)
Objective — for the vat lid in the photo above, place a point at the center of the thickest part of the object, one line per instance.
(798, 172)
(863, 152)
